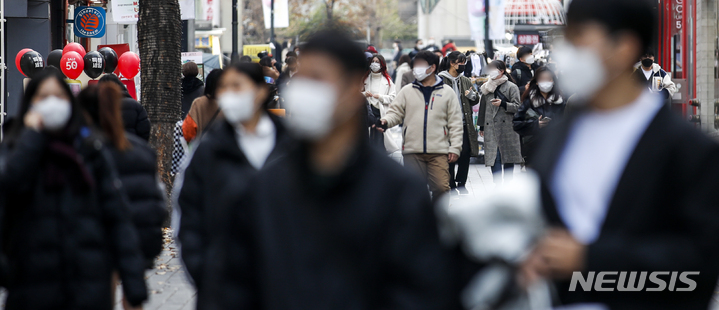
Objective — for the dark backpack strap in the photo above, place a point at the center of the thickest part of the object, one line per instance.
(212, 120)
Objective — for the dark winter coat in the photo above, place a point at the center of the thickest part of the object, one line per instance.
(217, 173)
(135, 119)
(365, 238)
(137, 168)
(662, 216)
(522, 74)
(192, 88)
(63, 244)
(526, 122)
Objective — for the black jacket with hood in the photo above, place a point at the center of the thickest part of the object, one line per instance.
(135, 118)
(522, 74)
(63, 241)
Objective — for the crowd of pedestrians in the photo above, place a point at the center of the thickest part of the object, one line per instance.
(286, 196)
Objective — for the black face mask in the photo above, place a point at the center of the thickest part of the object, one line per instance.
(646, 63)
(461, 68)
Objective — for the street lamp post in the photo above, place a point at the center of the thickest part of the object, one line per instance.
(235, 57)
(487, 42)
(272, 25)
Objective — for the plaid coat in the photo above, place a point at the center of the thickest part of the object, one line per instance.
(497, 125)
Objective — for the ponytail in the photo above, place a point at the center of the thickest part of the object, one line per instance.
(443, 65)
(452, 57)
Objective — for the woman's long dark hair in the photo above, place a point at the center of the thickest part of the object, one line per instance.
(254, 72)
(76, 119)
(534, 86)
(103, 103)
(453, 57)
(502, 67)
(211, 83)
(383, 68)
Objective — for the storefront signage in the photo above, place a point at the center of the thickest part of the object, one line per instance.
(89, 22)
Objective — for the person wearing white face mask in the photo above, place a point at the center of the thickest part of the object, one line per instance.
(66, 222)
(542, 104)
(380, 92)
(627, 184)
(234, 149)
(500, 100)
(342, 203)
(523, 69)
(432, 117)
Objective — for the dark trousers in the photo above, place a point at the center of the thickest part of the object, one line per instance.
(463, 163)
(497, 169)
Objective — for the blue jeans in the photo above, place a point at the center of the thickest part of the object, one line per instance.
(497, 168)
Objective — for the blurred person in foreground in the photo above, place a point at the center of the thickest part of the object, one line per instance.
(233, 150)
(66, 226)
(350, 229)
(432, 118)
(204, 111)
(134, 115)
(628, 185)
(136, 165)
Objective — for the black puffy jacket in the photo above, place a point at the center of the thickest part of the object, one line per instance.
(135, 119)
(217, 172)
(64, 245)
(364, 238)
(137, 168)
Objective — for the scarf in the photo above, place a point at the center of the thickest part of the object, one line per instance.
(491, 85)
(538, 100)
(64, 167)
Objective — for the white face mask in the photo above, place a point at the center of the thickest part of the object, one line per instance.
(420, 73)
(529, 60)
(375, 67)
(585, 80)
(493, 74)
(237, 106)
(545, 87)
(55, 112)
(311, 105)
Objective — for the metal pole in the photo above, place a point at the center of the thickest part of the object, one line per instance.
(272, 25)
(235, 57)
(487, 42)
(2, 68)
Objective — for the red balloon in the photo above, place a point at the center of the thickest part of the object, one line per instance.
(74, 47)
(129, 65)
(18, 57)
(72, 64)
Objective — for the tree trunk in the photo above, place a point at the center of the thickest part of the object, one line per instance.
(159, 37)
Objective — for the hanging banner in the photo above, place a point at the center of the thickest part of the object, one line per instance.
(89, 22)
(128, 11)
(496, 20)
(210, 12)
(282, 13)
(475, 8)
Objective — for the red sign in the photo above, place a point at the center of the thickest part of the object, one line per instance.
(527, 39)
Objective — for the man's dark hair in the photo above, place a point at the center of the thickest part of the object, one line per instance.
(523, 51)
(618, 16)
(190, 69)
(417, 41)
(114, 79)
(648, 53)
(245, 59)
(339, 46)
(427, 56)
(266, 61)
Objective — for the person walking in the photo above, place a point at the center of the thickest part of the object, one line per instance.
(380, 92)
(403, 67)
(136, 165)
(500, 100)
(134, 115)
(204, 110)
(627, 185)
(351, 228)
(523, 69)
(288, 73)
(418, 47)
(66, 222)
(192, 87)
(452, 73)
(432, 119)
(542, 104)
(234, 149)
(654, 77)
